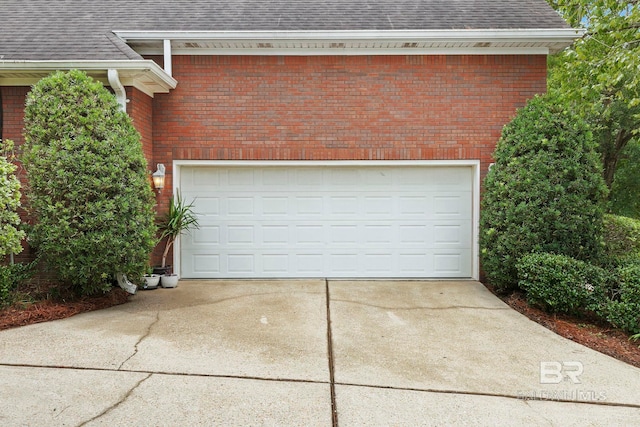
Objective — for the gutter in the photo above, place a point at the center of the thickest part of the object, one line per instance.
(414, 35)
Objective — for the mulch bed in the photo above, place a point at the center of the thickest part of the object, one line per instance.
(597, 336)
(46, 310)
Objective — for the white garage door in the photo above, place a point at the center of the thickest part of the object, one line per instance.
(329, 221)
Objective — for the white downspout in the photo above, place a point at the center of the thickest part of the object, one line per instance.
(116, 85)
(121, 96)
(168, 68)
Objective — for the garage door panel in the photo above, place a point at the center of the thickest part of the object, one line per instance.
(306, 206)
(276, 264)
(378, 234)
(309, 177)
(207, 235)
(446, 205)
(344, 205)
(240, 177)
(202, 178)
(204, 206)
(376, 177)
(241, 235)
(274, 206)
(328, 222)
(275, 234)
(275, 177)
(204, 265)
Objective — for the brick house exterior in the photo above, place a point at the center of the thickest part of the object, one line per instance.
(432, 93)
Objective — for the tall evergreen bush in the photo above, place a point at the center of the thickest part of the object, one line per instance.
(545, 192)
(88, 183)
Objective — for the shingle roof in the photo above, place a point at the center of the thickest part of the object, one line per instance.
(83, 29)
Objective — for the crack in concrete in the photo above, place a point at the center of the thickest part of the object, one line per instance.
(488, 394)
(118, 403)
(338, 383)
(58, 413)
(142, 338)
(451, 307)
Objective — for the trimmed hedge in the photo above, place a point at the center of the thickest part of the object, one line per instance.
(545, 192)
(624, 310)
(561, 284)
(11, 276)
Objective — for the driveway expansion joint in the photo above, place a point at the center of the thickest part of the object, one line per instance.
(334, 408)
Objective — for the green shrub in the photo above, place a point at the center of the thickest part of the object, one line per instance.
(545, 192)
(89, 185)
(11, 276)
(621, 239)
(561, 284)
(10, 233)
(623, 311)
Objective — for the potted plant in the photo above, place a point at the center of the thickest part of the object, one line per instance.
(151, 280)
(180, 218)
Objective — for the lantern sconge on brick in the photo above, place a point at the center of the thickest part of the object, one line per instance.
(158, 178)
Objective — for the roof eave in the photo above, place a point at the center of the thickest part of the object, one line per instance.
(487, 41)
(144, 75)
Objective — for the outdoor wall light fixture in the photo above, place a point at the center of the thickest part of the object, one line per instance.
(158, 178)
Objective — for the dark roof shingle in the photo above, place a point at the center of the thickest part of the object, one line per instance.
(83, 29)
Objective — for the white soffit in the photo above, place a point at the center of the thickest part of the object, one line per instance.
(145, 75)
(399, 42)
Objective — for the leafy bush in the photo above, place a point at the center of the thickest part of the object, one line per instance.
(89, 186)
(621, 239)
(10, 233)
(11, 276)
(545, 192)
(561, 284)
(624, 310)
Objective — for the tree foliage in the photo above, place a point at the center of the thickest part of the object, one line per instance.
(10, 233)
(545, 192)
(89, 187)
(599, 76)
(625, 190)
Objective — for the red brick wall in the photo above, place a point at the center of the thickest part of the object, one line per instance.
(140, 109)
(341, 107)
(13, 99)
(325, 108)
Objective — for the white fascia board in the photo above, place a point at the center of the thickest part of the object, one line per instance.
(377, 35)
(124, 67)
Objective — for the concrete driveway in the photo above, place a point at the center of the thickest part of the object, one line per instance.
(312, 353)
